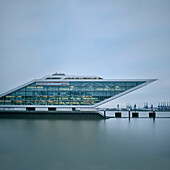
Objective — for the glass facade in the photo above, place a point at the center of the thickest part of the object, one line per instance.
(67, 93)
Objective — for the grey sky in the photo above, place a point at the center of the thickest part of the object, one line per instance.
(119, 39)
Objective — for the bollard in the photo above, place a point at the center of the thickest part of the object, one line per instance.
(118, 114)
(135, 114)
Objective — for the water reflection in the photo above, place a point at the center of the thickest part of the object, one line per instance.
(118, 143)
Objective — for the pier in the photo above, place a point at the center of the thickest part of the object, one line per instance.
(63, 113)
(133, 114)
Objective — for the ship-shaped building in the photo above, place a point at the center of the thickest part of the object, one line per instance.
(70, 93)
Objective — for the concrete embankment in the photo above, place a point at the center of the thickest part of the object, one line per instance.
(50, 115)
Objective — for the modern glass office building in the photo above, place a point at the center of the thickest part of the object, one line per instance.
(60, 90)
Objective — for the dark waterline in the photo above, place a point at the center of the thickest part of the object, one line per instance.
(85, 144)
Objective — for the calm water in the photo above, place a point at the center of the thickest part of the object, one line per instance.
(116, 143)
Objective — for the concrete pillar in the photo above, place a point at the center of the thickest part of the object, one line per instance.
(129, 114)
(152, 114)
(118, 114)
(104, 113)
(135, 114)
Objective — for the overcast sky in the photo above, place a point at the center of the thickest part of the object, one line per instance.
(118, 39)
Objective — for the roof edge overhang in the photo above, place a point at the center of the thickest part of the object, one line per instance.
(95, 80)
(17, 88)
(148, 81)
